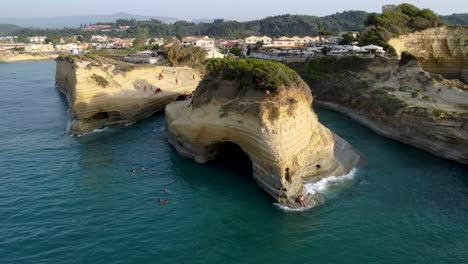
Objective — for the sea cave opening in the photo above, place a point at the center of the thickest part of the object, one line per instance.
(231, 157)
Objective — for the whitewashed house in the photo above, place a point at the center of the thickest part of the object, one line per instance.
(252, 40)
(37, 39)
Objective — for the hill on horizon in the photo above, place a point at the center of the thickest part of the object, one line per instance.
(75, 21)
(8, 28)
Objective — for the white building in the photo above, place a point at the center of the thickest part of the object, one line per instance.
(37, 39)
(298, 41)
(9, 39)
(34, 48)
(333, 40)
(158, 41)
(204, 42)
(99, 38)
(252, 40)
(71, 48)
(284, 43)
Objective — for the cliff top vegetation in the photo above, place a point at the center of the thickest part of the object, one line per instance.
(256, 74)
(403, 19)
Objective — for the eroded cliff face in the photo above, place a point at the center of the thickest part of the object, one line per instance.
(280, 133)
(402, 102)
(103, 93)
(442, 50)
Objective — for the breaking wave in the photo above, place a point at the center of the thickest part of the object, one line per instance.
(321, 190)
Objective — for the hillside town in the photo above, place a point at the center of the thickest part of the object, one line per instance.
(283, 48)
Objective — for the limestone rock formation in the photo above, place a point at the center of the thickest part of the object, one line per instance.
(398, 100)
(442, 50)
(103, 92)
(280, 133)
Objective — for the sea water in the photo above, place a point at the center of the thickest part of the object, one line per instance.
(67, 199)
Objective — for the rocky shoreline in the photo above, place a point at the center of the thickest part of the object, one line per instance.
(396, 99)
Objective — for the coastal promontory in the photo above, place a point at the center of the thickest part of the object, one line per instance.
(395, 98)
(265, 109)
(102, 92)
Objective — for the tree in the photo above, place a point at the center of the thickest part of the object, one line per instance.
(175, 53)
(258, 45)
(347, 39)
(87, 36)
(53, 38)
(235, 51)
(195, 55)
(325, 50)
(141, 36)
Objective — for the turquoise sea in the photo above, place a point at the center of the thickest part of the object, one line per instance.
(67, 199)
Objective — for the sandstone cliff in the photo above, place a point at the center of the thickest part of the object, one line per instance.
(102, 92)
(442, 50)
(395, 99)
(280, 133)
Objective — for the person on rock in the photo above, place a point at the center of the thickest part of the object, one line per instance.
(267, 93)
(300, 200)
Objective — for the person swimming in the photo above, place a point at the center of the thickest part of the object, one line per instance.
(166, 190)
(132, 170)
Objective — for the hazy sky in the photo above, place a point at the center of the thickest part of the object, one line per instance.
(198, 9)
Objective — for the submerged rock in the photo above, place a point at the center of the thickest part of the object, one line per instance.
(397, 99)
(103, 92)
(280, 133)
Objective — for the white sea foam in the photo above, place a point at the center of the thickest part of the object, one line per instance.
(319, 189)
(323, 185)
(95, 131)
(289, 209)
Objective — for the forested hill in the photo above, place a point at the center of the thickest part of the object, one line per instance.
(7, 28)
(275, 26)
(456, 19)
(291, 25)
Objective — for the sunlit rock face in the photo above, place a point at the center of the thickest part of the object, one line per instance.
(442, 50)
(396, 99)
(104, 93)
(280, 132)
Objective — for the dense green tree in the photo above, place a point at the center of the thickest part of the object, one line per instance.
(141, 37)
(347, 39)
(53, 38)
(175, 54)
(235, 51)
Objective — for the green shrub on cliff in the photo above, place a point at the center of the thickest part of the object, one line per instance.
(330, 67)
(263, 75)
(101, 81)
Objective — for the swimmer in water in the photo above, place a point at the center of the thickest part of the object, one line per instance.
(166, 190)
(166, 202)
(132, 170)
(143, 169)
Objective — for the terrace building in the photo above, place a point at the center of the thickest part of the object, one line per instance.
(37, 48)
(37, 39)
(252, 40)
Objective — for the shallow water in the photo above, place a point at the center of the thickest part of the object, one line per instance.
(70, 199)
